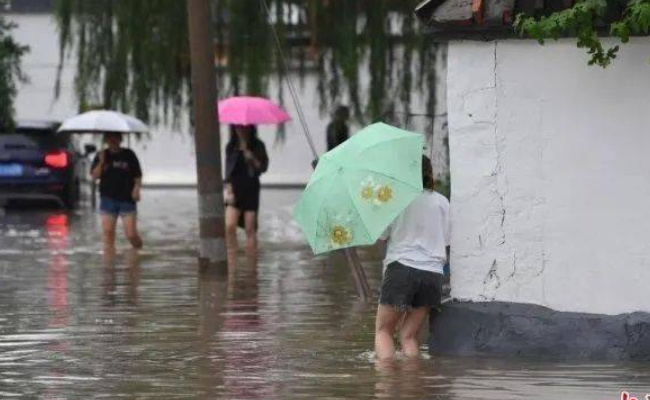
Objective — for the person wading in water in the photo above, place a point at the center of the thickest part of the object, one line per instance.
(246, 160)
(418, 247)
(120, 179)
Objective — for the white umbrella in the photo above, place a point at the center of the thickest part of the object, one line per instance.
(102, 121)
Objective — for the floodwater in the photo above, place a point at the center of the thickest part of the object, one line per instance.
(76, 325)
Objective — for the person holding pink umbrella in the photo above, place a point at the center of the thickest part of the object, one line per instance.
(246, 160)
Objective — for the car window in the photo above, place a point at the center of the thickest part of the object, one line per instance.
(31, 139)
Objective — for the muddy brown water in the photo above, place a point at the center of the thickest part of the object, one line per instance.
(76, 325)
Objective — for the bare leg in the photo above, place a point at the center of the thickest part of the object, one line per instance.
(409, 334)
(387, 319)
(232, 217)
(131, 230)
(108, 228)
(250, 222)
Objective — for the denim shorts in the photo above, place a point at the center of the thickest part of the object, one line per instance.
(108, 206)
(404, 288)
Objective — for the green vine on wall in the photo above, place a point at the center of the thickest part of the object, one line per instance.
(581, 21)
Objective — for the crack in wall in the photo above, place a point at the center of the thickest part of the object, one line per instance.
(498, 173)
(491, 277)
(514, 267)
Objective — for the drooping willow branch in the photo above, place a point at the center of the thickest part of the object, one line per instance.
(133, 55)
(11, 73)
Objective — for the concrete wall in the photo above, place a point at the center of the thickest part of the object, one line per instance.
(550, 175)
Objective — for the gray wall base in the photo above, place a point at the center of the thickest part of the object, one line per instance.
(531, 331)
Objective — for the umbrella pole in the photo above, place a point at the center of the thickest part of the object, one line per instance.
(358, 274)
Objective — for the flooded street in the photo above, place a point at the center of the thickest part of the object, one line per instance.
(76, 325)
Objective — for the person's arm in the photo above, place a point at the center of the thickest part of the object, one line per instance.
(447, 231)
(229, 193)
(137, 177)
(382, 242)
(98, 165)
(259, 159)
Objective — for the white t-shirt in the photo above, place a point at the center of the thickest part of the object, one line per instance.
(419, 236)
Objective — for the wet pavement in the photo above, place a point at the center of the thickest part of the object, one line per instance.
(76, 324)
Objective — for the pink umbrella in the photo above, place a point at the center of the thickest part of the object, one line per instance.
(244, 110)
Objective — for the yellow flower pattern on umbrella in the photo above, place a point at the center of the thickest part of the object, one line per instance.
(368, 189)
(375, 193)
(340, 236)
(367, 193)
(384, 194)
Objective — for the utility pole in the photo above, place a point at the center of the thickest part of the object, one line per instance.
(212, 253)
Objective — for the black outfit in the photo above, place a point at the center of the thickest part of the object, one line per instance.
(404, 288)
(337, 133)
(243, 176)
(117, 180)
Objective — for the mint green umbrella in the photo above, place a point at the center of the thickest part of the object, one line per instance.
(360, 187)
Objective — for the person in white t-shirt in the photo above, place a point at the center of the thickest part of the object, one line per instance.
(418, 242)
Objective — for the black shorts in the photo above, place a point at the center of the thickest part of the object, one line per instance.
(404, 288)
(247, 194)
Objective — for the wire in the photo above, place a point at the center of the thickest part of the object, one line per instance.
(292, 90)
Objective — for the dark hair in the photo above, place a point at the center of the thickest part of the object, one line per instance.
(427, 174)
(233, 141)
(341, 113)
(113, 134)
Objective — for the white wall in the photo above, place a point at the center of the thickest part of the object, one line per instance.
(550, 164)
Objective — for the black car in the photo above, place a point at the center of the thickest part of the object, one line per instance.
(38, 163)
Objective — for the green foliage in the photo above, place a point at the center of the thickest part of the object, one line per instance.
(133, 55)
(10, 73)
(581, 21)
(635, 21)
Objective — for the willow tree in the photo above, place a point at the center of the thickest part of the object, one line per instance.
(133, 56)
(10, 73)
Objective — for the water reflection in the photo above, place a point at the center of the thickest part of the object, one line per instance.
(230, 313)
(56, 233)
(405, 379)
(131, 274)
(56, 228)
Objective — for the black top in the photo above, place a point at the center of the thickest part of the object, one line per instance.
(337, 133)
(118, 178)
(238, 168)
